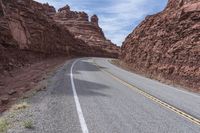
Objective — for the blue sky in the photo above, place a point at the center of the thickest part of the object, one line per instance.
(117, 18)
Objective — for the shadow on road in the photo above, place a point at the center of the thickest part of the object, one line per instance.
(87, 88)
(85, 66)
(60, 84)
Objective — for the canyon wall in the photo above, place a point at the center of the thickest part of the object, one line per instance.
(166, 46)
(32, 28)
(28, 33)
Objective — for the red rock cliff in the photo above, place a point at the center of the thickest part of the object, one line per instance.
(166, 46)
(27, 29)
(32, 28)
(89, 31)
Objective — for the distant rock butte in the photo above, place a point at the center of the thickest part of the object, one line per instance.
(166, 45)
(28, 31)
(87, 30)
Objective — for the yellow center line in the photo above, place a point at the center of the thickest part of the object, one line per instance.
(153, 98)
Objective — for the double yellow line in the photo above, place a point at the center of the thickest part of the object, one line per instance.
(153, 98)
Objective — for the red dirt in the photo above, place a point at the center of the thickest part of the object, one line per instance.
(20, 81)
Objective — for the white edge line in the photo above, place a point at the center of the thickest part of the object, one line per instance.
(78, 106)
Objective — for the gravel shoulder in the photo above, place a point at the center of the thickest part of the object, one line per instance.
(41, 105)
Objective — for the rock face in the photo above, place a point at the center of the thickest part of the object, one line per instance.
(89, 31)
(31, 26)
(166, 46)
(28, 32)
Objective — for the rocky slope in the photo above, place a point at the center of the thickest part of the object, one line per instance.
(87, 30)
(166, 46)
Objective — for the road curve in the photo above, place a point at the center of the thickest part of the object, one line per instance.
(90, 95)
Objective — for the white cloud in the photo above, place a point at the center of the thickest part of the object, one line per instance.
(123, 13)
(117, 17)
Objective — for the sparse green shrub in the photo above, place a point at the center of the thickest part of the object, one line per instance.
(28, 124)
(3, 125)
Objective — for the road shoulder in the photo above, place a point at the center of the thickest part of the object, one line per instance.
(48, 109)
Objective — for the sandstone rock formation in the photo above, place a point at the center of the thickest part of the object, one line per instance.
(28, 32)
(166, 45)
(32, 28)
(27, 26)
(89, 31)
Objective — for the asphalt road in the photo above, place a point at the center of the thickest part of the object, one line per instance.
(90, 95)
